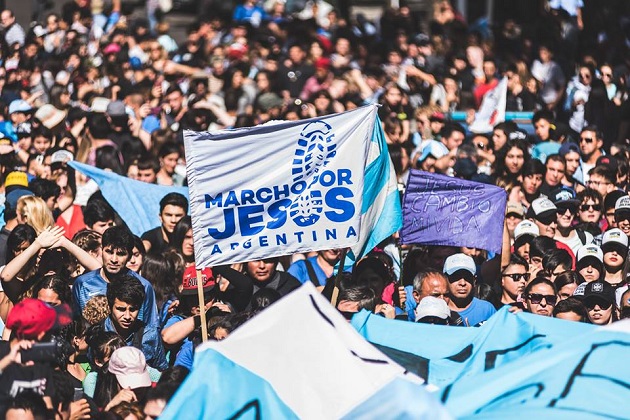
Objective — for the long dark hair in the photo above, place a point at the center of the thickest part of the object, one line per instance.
(179, 233)
(500, 170)
(57, 284)
(160, 272)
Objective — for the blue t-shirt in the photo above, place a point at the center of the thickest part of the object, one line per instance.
(186, 355)
(92, 284)
(299, 271)
(478, 312)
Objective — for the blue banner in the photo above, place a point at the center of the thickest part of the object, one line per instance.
(442, 210)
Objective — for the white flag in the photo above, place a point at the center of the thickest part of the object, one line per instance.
(492, 110)
(283, 187)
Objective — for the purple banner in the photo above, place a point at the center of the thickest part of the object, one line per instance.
(442, 210)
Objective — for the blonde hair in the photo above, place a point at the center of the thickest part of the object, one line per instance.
(34, 212)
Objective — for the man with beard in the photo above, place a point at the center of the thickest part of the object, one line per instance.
(462, 276)
(118, 245)
(316, 269)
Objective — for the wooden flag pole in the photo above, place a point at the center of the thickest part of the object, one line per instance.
(202, 307)
(335, 293)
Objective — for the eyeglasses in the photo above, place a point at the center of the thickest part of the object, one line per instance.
(587, 140)
(597, 183)
(536, 298)
(591, 304)
(590, 207)
(517, 276)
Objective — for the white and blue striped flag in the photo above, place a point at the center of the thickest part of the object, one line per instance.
(299, 358)
(295, 186)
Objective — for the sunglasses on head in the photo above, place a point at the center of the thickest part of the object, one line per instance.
(536, 298)
(517, 276)
(592, 303)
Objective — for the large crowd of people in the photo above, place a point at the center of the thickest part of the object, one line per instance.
(97, 322)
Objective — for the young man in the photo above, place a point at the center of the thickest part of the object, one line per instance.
(591, 143)
(173, 206)
(462, 275)
(602, 178)
(264, 275)
(98, 215)
(571, 154)
(125, 296)
(555, 166)
(117, 247)
(543, 213)
(317, 269)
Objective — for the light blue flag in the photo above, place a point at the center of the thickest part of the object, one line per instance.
(381, 212)
(449, 354)
(582, 377)
(299, 358)
(137, 202)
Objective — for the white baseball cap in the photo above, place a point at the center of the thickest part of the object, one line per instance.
(615, 236)
(432, 306)
(459, 262)
(590, 250)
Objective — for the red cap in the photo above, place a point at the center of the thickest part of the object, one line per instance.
(322, 63)
(30, 317)
(112, 48)
(189, 282)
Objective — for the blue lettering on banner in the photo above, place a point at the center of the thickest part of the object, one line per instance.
(315, 193)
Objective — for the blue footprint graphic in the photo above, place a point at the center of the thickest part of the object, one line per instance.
(315, 148)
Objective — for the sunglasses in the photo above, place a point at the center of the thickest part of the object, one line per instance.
(606, 75)
(589, 207)
(549, 220)
(536, 298)
(563, 210)
(517, 276)
(592, 303)
(587, 140)
(454, 279)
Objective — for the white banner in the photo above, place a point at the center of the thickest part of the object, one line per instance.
(492, 109)
(278, 188)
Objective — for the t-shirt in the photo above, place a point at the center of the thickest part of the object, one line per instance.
(92, 284)
(156, 239)
(299, 270)
(478, 312)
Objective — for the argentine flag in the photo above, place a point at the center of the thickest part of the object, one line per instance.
(299, 358)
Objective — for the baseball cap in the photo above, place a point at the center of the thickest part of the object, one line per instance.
(31, 317)
(515, 209)
(99, 105)
(189, 281)
(50, 116)
(599, 291)
(23, 130)
(130, 367)
(16, 178)
(61, 156)
(12, 198)
(543, 210)
(458, 262)
(524, 233)
(430, 306)
(431, 148)
(567, 148)
(611, 161)
(622, 205)
(19, 105)
(115, 109)
(589, 251)
(269, 100)
(615, 237)
(564, 197)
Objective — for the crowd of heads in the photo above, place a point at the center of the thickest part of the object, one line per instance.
(99, 322)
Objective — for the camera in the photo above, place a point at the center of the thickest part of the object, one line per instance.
(49, 352)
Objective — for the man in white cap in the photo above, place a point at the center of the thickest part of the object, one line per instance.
(543, 213)
(524, 233)
(461, 272)
(622, 214)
